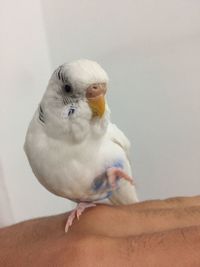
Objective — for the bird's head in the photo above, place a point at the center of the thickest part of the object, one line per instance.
(75, 97)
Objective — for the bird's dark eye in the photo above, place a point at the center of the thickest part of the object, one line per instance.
(68, 88)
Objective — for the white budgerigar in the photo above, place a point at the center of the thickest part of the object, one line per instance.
(73, 148)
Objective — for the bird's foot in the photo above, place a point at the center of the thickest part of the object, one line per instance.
(114, 174)
(76, 213)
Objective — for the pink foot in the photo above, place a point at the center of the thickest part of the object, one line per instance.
(77, 213)
(113, 173)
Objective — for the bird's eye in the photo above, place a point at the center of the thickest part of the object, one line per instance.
(68, 88)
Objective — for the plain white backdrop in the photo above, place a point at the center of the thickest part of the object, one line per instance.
(150, 50)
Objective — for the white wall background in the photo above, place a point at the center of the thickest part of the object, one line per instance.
(150, 50)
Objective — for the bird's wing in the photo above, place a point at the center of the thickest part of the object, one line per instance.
(126, 194)
(119, 138)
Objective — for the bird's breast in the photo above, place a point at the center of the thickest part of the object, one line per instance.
(76, 172)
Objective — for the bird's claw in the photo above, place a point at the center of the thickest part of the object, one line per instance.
(114, 174)
(76, 213)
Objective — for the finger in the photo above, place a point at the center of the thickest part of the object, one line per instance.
(156, 220)
(178, 247)
(116, 222)
(174, 202)
(175, 248)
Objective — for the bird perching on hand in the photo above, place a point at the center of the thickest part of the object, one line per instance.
(73, 148)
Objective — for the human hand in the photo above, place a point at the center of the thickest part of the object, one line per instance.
(152, 233)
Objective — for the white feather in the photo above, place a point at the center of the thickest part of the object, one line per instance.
(81, 73)
(67, 154)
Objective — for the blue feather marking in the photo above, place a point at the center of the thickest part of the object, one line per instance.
(109, 194)
(93, 199)
(101, 184)
(97, 184)
(71, 110)
(118, 164)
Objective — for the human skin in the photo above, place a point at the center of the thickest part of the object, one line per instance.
(151, 233)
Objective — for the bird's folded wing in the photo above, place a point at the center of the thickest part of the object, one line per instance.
(119, 138)
(126, 194)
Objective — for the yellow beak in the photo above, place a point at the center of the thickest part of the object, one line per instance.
(97, 105)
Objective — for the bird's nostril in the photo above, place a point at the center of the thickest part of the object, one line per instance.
(95, 90)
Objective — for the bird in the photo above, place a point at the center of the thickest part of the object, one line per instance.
(73, 148)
